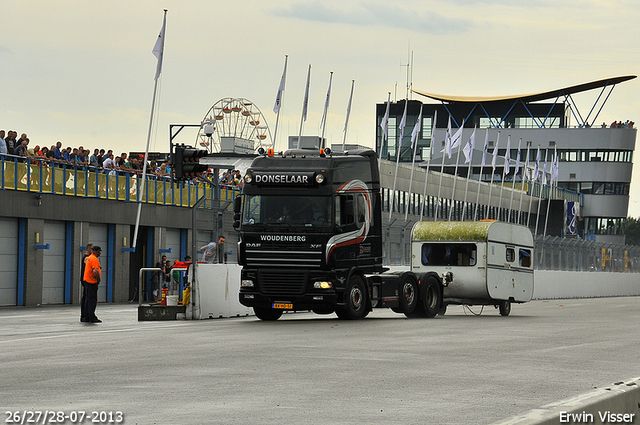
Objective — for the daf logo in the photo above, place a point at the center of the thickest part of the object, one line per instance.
(253, 245)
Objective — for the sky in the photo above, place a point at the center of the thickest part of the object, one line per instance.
(81, 71)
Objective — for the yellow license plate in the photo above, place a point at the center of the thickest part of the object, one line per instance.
(283, 306)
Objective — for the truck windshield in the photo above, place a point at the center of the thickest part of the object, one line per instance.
(308, 211)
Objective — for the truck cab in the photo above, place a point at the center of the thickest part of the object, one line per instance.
(310, 229)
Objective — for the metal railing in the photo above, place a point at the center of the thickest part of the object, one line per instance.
(42, 176)
(569, 254)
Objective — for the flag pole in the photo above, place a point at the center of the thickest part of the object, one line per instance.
(447, 141)
(305, 104)
(534, 179)
(403, 122)
(279, 98)
(484, 158)
(525, 169)
(515, 173)
(551, 191)
(426, 176)
(384, 124)
(455, 173)
(544, 177)
(158, 50)
(346, 121)
(414, 145)
(505, 169)
(326, 108)
(493, 171)
(472, 142)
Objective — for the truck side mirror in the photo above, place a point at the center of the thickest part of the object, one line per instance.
(237, 207)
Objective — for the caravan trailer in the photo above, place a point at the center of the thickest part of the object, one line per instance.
(482, 262)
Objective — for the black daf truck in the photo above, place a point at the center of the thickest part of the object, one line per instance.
(311, 239)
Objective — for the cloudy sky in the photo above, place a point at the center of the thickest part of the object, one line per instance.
(81, 71)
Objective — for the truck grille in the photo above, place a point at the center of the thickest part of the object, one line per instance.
(282, 258)
(280, 282)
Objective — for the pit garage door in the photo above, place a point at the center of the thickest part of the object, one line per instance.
(53, 263)
(173, 242)
(98, 235)
(8, 261)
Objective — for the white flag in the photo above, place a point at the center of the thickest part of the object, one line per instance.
(455, 139)
(485, 148)
(507, 157)
(495, 156)
(517, 162)
(385, 120)
(306, 95)
(544, 171)
(403, 121)
(447, 139)
(416, 129)
(158, 48)
(536, 167)
(468, 148)
(276, 106)
(326, 103)
(554, 166)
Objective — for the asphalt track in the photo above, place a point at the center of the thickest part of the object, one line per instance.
(308, 369)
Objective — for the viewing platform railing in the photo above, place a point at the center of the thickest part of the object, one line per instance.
(40, 175)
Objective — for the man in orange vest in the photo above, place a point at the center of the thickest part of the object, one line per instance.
(92, 275)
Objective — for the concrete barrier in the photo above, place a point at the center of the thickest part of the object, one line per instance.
(217, 292)
(550, 284)
(616, 404)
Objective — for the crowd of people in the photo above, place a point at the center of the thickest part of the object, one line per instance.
(620, 124)
(100, 160)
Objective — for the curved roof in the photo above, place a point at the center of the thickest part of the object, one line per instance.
(533, 97)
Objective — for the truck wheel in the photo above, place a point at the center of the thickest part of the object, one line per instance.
(267, 314)
(505, 308)
(432, 298)
(408, 296)
(355, 297)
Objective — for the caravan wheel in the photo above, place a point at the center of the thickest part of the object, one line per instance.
(505, 308)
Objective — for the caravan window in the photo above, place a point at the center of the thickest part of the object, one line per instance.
(524, 257)
(511, 255)
(449, 254)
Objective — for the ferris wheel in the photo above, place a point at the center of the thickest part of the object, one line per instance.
(235, 121)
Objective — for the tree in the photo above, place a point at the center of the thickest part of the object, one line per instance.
(632, 231)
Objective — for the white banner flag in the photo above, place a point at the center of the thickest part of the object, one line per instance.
(468, 148)
(276, 106)
(306, 95)
(158, 48)
(485, 148)
(385, 120)
(416, 129)
(507, 157)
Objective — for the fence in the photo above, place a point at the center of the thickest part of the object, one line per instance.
(41, 176)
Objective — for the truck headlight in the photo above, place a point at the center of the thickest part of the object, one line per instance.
(246, 283)
(322, 285)
(319, 178)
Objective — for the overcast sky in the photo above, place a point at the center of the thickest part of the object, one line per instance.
(82, 71)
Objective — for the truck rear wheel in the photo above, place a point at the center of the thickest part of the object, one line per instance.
(432, 298)
(408, 296)
(355, 299)
(267, 314)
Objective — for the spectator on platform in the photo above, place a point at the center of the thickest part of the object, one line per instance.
(57, 152)
(10, 140)
(93, 159)
(21, 150)
(3, 144)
